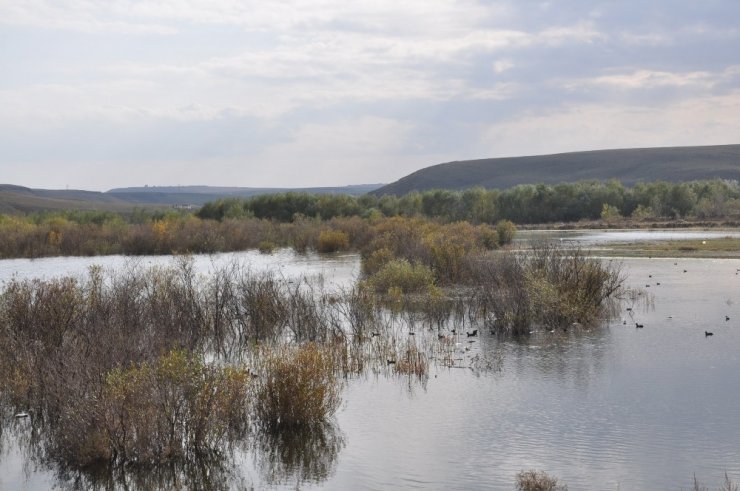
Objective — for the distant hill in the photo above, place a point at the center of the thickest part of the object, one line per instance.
(198, 195)
(629, 166)
(19, 199)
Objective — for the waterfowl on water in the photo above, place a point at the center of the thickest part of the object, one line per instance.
(707, 333)
(471, 334)
(727, 317)
(390, 362)
(639, 326)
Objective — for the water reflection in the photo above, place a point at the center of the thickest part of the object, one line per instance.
(303, 455)
(205, 472)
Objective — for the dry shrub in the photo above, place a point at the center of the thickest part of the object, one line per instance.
(402, 275)
(412, 362)
(173, 408)
(332, 241)
(547, 286)
(164, 410)
(444, 248)
(533, 480)
(266, 247)
(298, 387)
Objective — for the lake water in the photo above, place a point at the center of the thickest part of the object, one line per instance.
(600, 237)
(613, 408)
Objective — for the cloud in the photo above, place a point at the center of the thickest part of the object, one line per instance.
(354, 89)
(710, 120)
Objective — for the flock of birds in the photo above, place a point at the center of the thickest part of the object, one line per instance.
(640, 326)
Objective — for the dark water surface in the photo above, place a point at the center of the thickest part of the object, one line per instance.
(613, 408)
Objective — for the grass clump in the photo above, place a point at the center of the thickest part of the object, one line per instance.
(298, 388)
(533, 480)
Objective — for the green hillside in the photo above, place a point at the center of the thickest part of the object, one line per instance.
(629, 166)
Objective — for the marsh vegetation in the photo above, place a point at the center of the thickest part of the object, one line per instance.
(162, 365)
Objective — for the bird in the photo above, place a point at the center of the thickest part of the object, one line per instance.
(639, 326)
(471, 334)
(727, 317)
(373, 334)
(707, 333)
(684, 270)
(624, 322)
(629, 309)
(390, 362)
(412, 333)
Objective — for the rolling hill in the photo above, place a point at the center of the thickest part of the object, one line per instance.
(19, 199)
(629, 166)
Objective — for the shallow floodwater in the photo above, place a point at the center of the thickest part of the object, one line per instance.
(592, 237)
(613, 408)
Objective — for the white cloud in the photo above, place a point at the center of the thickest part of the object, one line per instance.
(708, 120)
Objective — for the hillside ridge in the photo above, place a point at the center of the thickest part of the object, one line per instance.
(628, 166)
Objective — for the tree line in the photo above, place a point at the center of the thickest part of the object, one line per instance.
(523, 204)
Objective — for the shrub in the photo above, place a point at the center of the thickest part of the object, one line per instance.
(332, 241)
(533, 480)
(159, 411)
(506, 231)
(403, 275)
(266, 247)
(547, 286)
(298, 387)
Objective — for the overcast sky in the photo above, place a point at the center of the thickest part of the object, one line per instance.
(96, 94)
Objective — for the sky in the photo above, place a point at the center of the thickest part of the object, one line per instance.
(102, 94)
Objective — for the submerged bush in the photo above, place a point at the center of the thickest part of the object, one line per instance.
(534, 480)
(332, 241)
(298, 387)
(159, 411)
(547, 286)
(402, 275)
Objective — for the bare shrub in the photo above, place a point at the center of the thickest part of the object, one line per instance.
(533, 480)
(547, 286)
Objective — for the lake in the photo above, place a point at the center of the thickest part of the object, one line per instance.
(613, 408)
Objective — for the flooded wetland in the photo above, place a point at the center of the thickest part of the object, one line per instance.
(608, 406)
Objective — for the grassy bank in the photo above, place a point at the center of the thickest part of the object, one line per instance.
(726, 247)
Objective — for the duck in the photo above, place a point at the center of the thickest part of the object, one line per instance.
(639, 326)
(471, 334)
(727, 317)
(707, 333)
